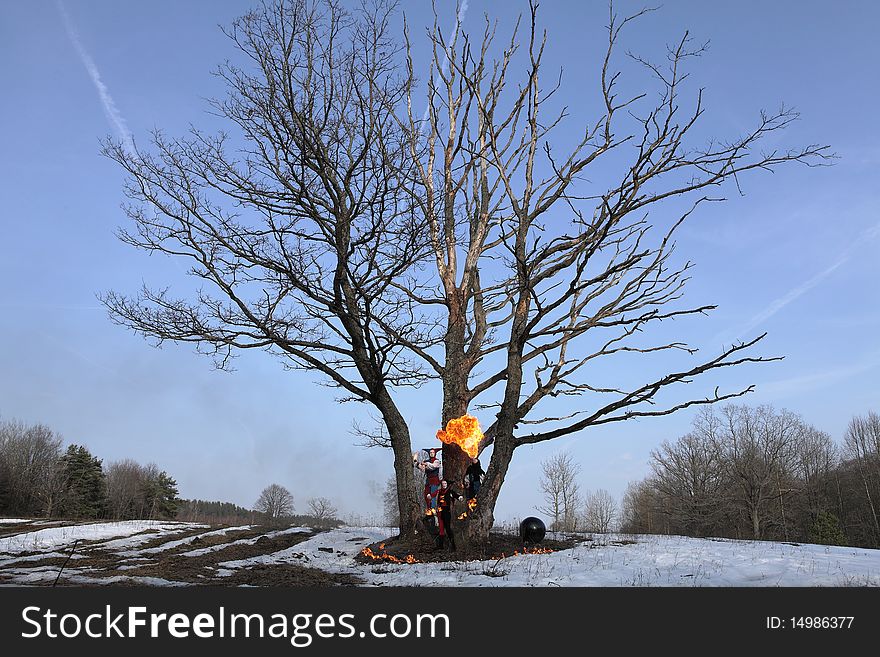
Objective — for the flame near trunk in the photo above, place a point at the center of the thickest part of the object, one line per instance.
(383, 556)
(472, 504)
(463, 431)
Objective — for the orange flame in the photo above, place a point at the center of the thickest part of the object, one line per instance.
(472, 504)
(463, 431)
(367, 552)
(526, 550)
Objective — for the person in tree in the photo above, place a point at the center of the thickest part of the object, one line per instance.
(431, 468)
(445, 498)
(473, 477)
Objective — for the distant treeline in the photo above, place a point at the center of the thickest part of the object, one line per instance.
(39, 478)
(765, 474)
(225, 513)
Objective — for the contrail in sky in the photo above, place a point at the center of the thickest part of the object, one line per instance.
(459, 19)
(110, 109)
(809, 284)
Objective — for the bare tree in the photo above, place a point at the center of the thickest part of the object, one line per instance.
(561, 491)
(862, 445)
(773, 477)
(31, 462)
(815, 459)
(140, 491)
(758, 446)
(640, 510)
(542, 274)
(125, 485)
(689, 475)
(389, 497)
(322, 510)
(390, 511)
(600, 511)
(275, 502)
(296, 224)
(311, 240)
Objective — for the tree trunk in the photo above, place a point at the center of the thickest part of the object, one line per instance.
(455, 390)
(480, 520)
(873, 510)
(503, 445)
(455, 460)
(407, 503)
(455, 404)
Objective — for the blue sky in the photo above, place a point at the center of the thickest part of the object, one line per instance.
(796, 256)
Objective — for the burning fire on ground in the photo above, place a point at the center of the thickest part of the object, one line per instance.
(410, 559)
(463, 431)
(384, 556)
(525, 550)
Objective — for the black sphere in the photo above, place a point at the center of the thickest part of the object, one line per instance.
(532, 530)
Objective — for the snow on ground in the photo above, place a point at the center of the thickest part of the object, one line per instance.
(135, 540)
(607, 560)
(48, 574)
(37, 575)
(122, 579)
(57, 537)
(14, 521)
(36, 557)
(346, 542)
(598, 560)
(243, 541)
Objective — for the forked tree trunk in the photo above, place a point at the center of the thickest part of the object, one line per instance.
(455, 404)
(480, 520)
(407, 502)
(455, 390)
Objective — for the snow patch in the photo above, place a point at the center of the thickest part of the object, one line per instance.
(56, 537)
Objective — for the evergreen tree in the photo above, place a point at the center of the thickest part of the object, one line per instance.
(160, 494)
(826, 530)
(84, 484)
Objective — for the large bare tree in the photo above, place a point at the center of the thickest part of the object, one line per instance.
(309, 228)
(275, 502)
(690, 475)
(759, 448)
(295, 223)
(542, 274)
